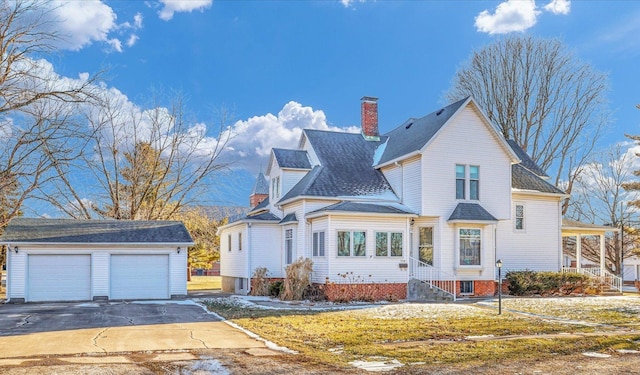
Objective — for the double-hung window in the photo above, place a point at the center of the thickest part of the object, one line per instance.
(288, 246)
(461, 176)
(426, 245)
(470, 246)
(388, 244)
(519, 214)
(229, 242)
(318, 244)
(352, 243)
(240, 241)
(470, 180)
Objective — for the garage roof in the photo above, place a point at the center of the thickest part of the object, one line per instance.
(95, 231)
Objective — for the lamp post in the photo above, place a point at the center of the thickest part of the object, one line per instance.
(499, 265)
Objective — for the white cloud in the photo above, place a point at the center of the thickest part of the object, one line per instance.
(133, 38)
(558, 6)
(137, 21)
(509, 16)
(83, 22)
(349, 3)
(172, 6)
(115, 44)
(252, 139)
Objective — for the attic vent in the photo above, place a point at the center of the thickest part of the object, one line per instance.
(439, 112)
(408, 125)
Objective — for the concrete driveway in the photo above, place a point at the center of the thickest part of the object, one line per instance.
(34, 330)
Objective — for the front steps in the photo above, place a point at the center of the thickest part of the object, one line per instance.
(420, 291)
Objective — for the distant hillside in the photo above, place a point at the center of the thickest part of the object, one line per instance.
(220, 212)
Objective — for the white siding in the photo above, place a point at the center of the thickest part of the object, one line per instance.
(468, 141)
(393, 174)
(100, 273)
(289, 179)
(539, 245)
(17, 274)
(266, 248)
(320, 264)
(233, 263)
(368, 268)
(178, 273)
(411, 185)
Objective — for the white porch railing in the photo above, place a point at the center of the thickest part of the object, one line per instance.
(615, 282)
(435, 277)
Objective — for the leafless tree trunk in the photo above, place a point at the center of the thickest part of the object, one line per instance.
(540, 95)
(599, 197)
(36, 105)
(143, 164)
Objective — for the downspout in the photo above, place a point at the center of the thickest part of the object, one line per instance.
(249, 257)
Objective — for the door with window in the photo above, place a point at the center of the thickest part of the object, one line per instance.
(425, 245)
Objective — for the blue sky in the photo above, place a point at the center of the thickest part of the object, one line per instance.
(281, 66)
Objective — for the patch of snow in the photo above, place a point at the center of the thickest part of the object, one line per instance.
(165, 302)
(88, 304)
(377, 366)
(269, 344)
(206, 366)
(379, 152)
(596, 355)
(628, 351)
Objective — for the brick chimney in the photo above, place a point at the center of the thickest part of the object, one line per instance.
(369, 118)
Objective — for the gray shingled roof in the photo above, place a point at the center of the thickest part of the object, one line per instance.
(94, 231)
(525, 159)
(262, 216)
(261, 186)
(296, 159)
(260, 206)
(365, 208)
(415, 133)
(345, 167)
(289, 218)
(522, 178)
(471, 212)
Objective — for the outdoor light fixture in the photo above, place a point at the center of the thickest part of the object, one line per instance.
(499, 265)
(15, 248)
(413, 221)
(178, 249)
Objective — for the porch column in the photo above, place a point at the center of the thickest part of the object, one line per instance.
(578, 251)
(602, 258)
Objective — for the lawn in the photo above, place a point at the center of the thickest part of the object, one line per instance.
(204, 283)
(421, 334)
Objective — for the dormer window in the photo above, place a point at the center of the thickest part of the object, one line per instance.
(275, 187)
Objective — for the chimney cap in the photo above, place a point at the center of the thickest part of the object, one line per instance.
(369, 99)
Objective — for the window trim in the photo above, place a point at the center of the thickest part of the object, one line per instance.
(468, 282)
(351, 243)
(319, 238)
(515, 217)
(477, 181)
(467, 181)
(459, 247)
(463, 180)
(286, 250)
(389, 235)
(432, 243)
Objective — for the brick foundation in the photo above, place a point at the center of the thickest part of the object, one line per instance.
(366, 292)
(481, 288)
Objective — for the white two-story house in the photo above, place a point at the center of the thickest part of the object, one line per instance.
(436, 201)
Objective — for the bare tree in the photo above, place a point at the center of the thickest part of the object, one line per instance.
(540, 95)
(36, 105)
(142, 164)
(599, 197)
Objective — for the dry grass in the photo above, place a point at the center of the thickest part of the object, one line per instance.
(431, 335)
(204, 283)
(617, 311)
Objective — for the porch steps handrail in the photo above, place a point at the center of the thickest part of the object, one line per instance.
(436, 278)
(615, 282)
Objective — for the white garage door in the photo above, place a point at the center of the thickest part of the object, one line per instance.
(139, 276)
(59, 278)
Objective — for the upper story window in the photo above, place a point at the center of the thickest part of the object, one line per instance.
(461, 174)
(288, 246)
(474, 182)
(467, 176)
(275, 187)
(240, 241)
(519, 215)
(229, 242)
(352, 244)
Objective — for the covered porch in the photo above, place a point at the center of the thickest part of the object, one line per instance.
(573, 259)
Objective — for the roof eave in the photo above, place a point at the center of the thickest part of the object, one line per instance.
(465, 221)
(110, 244)
(398, 159)
(540, 193)
(322, 213)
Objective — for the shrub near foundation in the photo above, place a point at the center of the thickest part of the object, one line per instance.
(526, 283)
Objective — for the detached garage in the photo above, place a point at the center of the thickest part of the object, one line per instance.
(81, 260)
